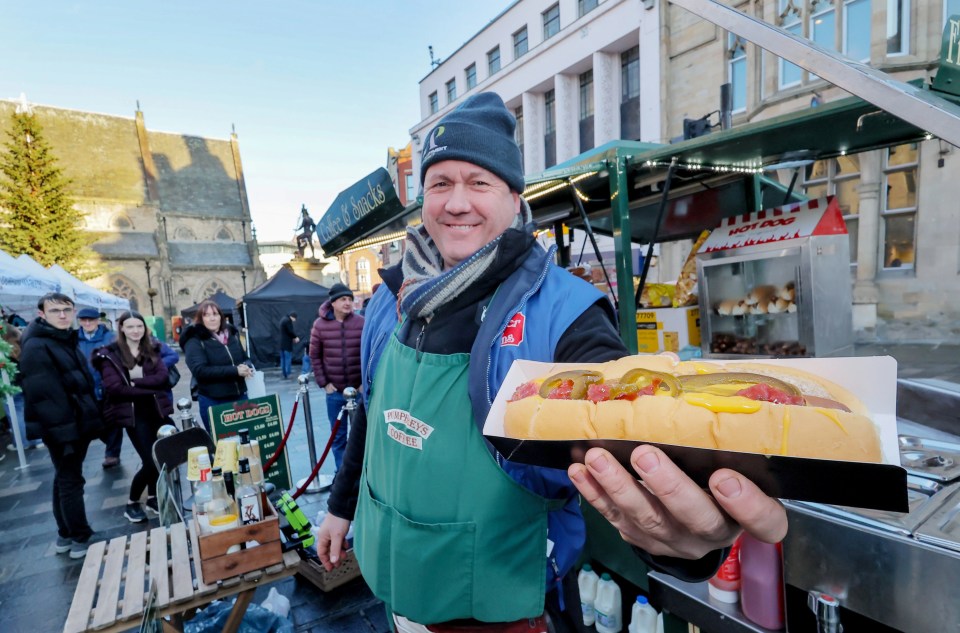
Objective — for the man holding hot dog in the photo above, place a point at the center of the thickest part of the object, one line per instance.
(449, 534)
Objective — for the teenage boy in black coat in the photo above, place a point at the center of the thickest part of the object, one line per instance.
(60, 408)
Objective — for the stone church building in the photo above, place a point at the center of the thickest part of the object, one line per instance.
(170, 210)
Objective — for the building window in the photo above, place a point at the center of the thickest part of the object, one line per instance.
(856, 29)
(213, 287)
(737, 71)
(898, 27)
(551, 21)
(434, 103)
(120, 222)
(183, 234)
(520, 44)
(585, 6)
(493, 61)
(789, 20)
(899, 213)
(838, 177)
(847, 31)
(630, 74)
(223, 235)
(549, 112)
(363, 275)
(411, 186)
(586, 95)
(471, 73)
(123, 287)
(452, 90)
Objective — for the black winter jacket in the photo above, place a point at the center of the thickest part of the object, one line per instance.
(123, 397)
(58, 390)
(214, 364)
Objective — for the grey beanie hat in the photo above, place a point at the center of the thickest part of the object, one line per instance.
(479, 131)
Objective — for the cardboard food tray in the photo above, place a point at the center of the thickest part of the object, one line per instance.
(856, 484)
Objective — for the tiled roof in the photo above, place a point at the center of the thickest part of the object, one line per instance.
(192, 254)
(121, 245)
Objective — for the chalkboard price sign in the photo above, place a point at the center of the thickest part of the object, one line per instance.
(261, 416)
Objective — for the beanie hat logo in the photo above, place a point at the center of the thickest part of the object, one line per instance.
(432, 147)
(481, 132)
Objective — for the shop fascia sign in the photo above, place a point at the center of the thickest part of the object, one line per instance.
(801, 219)
(358, 208)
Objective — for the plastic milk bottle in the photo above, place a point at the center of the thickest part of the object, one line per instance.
(587, 580)
(608, 606)
(644, 617)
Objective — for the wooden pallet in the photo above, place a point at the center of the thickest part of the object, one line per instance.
(116, 577)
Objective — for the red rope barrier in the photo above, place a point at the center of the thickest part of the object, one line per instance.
(316, 469)
(283, 442)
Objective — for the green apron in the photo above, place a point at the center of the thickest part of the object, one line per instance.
(442, 532)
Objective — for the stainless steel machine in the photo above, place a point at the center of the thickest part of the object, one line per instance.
(887, 571)
(776, 283)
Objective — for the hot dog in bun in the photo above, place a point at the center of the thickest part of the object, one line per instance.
(744, 406)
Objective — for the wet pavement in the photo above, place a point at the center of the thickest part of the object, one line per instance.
(37, 585)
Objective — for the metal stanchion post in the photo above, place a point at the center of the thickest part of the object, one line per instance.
(187, 420)
(320, 482)
(166, 431)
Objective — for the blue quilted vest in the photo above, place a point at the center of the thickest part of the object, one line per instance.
(525, 319)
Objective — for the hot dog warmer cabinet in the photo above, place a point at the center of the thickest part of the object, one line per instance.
(776, 283)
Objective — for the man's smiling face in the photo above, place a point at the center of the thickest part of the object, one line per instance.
(465, 207)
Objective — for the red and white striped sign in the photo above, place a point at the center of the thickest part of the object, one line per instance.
(800, 219)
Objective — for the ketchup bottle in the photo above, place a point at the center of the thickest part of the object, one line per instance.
(761, 582)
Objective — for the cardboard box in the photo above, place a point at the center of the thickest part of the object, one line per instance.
(877, 486)
(216, 564)
(667, 329)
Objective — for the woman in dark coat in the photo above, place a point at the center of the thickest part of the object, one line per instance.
(136, 395)
(216, 359)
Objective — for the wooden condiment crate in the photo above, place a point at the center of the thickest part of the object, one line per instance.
(216, 564)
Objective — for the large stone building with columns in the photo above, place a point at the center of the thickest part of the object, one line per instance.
(170, 210)
(579, 73)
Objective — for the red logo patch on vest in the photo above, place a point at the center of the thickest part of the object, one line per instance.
(513, 335)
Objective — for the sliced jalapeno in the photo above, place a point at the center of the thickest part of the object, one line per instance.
(580, 379)
(704, 382)
(663, 384)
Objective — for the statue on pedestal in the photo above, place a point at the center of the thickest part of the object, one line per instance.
(305, 235)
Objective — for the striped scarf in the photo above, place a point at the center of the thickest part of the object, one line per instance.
(427, 286)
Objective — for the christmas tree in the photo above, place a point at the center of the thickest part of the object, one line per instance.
(37, 216)
(7, 365)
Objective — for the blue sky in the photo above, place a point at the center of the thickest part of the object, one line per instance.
(317, 90)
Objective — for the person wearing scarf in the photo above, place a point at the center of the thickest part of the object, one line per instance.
(450, 534)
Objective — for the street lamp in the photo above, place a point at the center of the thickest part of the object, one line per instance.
(243, 276)
(150, 290)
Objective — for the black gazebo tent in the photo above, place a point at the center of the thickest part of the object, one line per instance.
(265, 305)
(227, 304)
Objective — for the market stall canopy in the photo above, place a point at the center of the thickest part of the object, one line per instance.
(20, 287)
(226, 303)
(84, 295)
(367, 207)
(268, 303)
(716, 175)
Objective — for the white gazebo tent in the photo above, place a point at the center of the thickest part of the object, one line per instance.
(21, 286)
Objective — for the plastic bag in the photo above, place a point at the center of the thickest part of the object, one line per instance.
(277, 603)
(256, 620)
(256, 387)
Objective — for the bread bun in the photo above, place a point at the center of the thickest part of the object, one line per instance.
(788, 292)
(710, 412)
(739, 309)
(761, 295)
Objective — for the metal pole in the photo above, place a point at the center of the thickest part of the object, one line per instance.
(187, 421)
(166, 431)
(320, 482)
(918, 107)
(15, 424)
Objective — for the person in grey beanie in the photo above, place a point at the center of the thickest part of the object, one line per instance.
(448, 532)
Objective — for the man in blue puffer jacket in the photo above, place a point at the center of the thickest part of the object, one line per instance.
(448, 532)
(92, 335)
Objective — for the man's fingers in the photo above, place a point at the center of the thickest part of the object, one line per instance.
(762, 516)
(685, 501)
